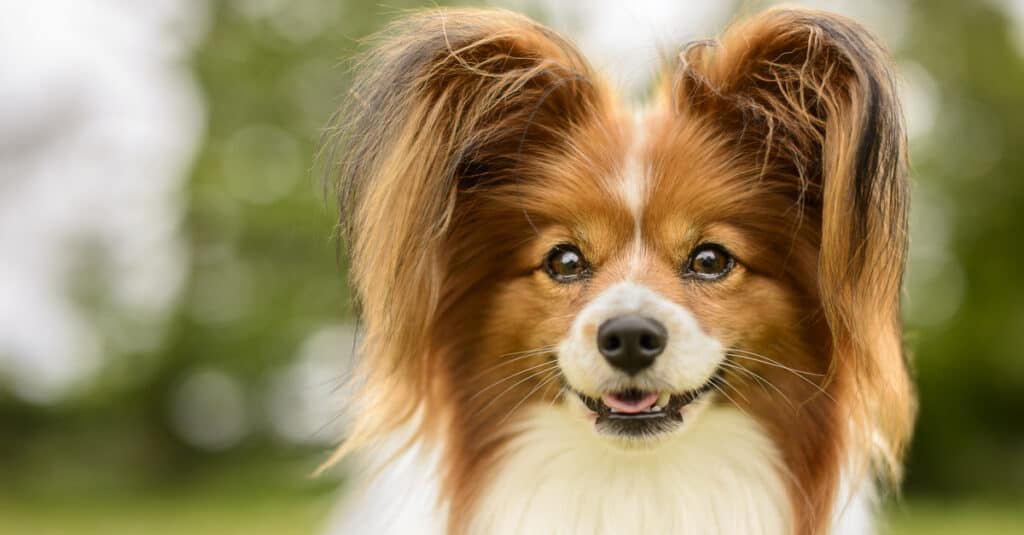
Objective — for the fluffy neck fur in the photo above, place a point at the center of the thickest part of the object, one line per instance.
(723, 475)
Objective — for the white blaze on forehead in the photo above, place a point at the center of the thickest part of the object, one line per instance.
(633, 186)
(634, 177)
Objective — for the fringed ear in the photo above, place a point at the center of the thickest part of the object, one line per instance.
(814, 95)
(445, 101)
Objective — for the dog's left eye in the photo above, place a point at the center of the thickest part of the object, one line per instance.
(565, 263)
(709, 261)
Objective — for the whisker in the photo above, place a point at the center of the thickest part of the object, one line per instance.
(796, 373)
(760, 380)
(550, 363)
(725, 382)
(770, 361)
(558, 395)
(543, 348)
(713, 384)
(509, 389)
(543, 383)
(518, 356)
(739, 407)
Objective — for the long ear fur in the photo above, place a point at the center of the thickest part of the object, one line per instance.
(815, 92)
(442, 103)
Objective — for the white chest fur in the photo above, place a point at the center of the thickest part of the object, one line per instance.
(720, 476)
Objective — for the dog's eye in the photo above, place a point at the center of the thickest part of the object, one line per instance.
(565, 263)
(709, 261)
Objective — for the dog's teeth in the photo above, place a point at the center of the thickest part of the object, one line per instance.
(655, 408)
(662, 400)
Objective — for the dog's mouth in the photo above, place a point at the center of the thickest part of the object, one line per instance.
(636, 413)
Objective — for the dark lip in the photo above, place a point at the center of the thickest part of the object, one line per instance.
(675, 403)
(645, 423)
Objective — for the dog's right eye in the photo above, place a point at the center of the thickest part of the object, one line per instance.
(565, 263)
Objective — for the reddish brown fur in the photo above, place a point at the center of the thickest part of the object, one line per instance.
(477, 140)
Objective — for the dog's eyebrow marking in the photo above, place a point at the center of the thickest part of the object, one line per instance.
(633, 187)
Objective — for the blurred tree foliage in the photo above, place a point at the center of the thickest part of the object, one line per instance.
(970, 368)
(263, 272)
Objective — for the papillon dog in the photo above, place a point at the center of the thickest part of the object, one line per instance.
(582, 318)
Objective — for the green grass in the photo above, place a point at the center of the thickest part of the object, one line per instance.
(956, 518)
(255, 510)
(159, 514)
(250, 496)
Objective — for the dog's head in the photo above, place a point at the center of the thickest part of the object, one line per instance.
(517, 237)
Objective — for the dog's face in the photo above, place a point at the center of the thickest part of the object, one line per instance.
(663, 275)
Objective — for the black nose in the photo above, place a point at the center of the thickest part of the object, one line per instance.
(631, 343)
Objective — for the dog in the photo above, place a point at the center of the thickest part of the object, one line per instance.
(581, 318)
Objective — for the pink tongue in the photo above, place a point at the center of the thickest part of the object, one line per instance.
(630, 406)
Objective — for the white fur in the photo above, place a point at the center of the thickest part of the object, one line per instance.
(560, 477)
(688, 362)
(856, 502)
(399, 497)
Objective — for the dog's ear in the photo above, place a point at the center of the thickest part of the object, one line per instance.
(814, 96)
(445, 101)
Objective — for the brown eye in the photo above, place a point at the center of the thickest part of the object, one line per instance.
(709, 261)
(565, 263)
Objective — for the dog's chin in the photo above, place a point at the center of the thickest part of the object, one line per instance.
(639, 418)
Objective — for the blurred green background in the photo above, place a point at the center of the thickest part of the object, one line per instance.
(208, 415)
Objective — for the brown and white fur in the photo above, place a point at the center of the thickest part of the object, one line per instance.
(478, 147)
